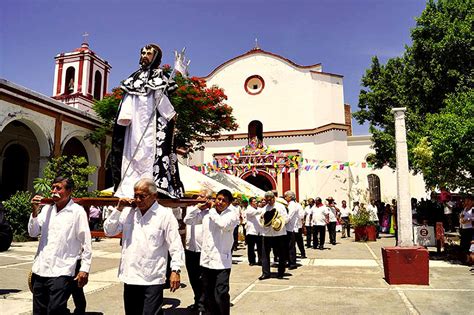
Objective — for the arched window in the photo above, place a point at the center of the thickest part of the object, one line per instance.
(255, 130)
(75, 147)
(70, 80)
(374, 187)
(97, 85)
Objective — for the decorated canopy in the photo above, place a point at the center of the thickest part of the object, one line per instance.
(237, 184)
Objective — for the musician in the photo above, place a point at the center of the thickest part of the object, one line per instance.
(65, 238)
(273, 237)
(149, 232)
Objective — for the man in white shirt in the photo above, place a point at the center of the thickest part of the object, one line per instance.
(372, 208)
(274, 238)
(149, 232)
(307, 221)
(216, 252)
(465, 220)
(345, 213)
(65, 239)
(291, 226)
(299, 230)
(333, 215)
(193, 247)
(254, 233)
(320, 218)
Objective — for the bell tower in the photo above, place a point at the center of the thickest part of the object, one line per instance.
(80, 77)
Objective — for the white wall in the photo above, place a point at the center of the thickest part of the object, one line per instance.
(290, 92)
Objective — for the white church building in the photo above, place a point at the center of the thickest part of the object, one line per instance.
(298, 114)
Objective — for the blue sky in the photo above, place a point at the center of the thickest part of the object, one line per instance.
(343, 35)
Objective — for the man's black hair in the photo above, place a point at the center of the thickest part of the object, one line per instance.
(252, 199)
(227, 195)
(69, 182)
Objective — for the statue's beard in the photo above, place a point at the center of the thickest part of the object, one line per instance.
(144, 62)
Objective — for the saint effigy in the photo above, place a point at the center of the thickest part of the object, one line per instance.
(143, 138)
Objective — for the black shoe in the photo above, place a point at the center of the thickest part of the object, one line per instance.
(252, 264)
(321, 247)
(263, 277)
(343, 237)
(193, 307)
(292, 267)
(303, 256)
(280, 276)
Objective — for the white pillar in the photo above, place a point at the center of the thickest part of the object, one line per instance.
(404, 216)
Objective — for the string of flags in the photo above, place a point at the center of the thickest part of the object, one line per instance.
(274, 162)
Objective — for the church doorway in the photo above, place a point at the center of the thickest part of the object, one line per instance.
(14, 170)
(19, 159)
(262, 180)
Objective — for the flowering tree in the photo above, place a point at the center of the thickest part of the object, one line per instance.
(201, 110)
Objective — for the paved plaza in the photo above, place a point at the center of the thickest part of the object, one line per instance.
(346, 278)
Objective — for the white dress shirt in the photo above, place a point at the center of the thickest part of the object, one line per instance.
(193, 231)
(217, 236)
(146, 241)
(294, 216)
(253, 216)
(373, 212)
(332, 214)
(319, 215)
(269, 231)
(65, 238)
(299, 222)
(345, 212)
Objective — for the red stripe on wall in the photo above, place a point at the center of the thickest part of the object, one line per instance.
(81, 72)
(60, 77)
(91, 68)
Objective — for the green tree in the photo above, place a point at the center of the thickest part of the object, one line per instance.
(201, 110)
(75, 167)
(437, 66)
(445, 154)
(18, 213)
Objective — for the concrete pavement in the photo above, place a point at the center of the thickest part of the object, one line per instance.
(344, 278)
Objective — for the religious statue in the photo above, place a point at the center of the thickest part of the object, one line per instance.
(143, 138)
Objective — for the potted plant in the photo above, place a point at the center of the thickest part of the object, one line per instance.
(364, 227)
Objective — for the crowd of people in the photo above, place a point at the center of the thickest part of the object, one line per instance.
(152, 252)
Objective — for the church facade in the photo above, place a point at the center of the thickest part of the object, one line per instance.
(294, 132)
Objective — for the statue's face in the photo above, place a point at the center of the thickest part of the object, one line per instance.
(146, 56)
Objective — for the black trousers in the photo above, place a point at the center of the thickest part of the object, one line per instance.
(279, 243)
(216, 290)
(143, 299)
(466, 237)
(300, 242)
(253, 240)
(309, 233)
(194, 275)
(321, 230)
(346, 226)
(235, 245)
(332, 232)
(78, 294)
(50, 295)
(291, 248)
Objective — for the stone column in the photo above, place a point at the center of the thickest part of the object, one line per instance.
(404, 216)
